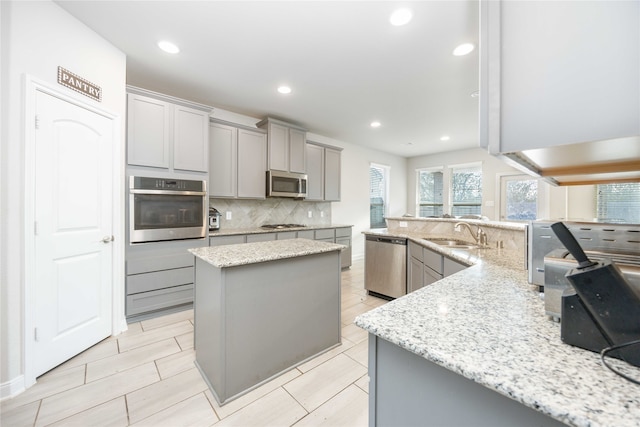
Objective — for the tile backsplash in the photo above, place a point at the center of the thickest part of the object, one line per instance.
(274, 210)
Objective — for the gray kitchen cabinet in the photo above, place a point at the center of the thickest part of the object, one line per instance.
(166, 132)
(326, 234)
(252, 164)
(148, 131)
(237, 162)
(227, 240)
(315, 172)
(223, 160)
(451, 267)
(285, 235)
(425, 266)
(323, 172)
(548, 79)
(159, 279)
(332, 174)
(343, 237)
(261, 237)
(286, 146)
(306, 234)
(415, 275)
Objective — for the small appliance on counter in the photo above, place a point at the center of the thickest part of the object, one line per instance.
(602, 311)
(214, 219)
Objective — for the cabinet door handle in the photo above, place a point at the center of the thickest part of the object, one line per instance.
(107, 239)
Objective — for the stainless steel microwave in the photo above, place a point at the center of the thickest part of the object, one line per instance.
(286, 184)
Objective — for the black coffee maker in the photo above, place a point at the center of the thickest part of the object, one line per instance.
(603, 309)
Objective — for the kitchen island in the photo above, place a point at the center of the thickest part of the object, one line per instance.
(263, 308)
(476, 348)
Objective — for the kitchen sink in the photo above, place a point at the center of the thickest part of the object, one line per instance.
(452, 243)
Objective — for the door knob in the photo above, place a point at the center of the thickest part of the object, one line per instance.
(107, 239)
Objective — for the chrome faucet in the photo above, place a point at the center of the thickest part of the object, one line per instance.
(479, 236)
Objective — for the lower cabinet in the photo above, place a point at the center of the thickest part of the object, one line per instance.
(425, 267)
(158, 282)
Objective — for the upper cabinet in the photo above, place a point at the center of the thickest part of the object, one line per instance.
(237, 162)
(323, 172)
(558, 72)
(286, 142)
(166, 132)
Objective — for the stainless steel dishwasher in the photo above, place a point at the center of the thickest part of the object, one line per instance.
(385, 272)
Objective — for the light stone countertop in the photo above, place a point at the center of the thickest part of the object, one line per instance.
(488, 324)
(260, 230)
(251, 253)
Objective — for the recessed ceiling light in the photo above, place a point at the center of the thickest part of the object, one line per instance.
(401, 17)
(463, 49)
(284, 90)
(375, 124)
(168, 47)
(445, 138)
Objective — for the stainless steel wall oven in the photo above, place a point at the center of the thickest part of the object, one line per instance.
(166, 209)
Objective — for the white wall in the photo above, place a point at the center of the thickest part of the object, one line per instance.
(353, 208)
(37, 37)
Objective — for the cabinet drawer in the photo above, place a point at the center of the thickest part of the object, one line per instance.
(226, 240)
(415, 251)
(159, 279)
(286, 235)
(156, 300)
(433, 260)
(327, 233)
(343, 232)
(262, 237)
(159, 262)
(306, 234)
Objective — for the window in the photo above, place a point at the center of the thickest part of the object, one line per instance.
(430, 190)
(378, 189)
(449, 190)
(519, 198)
(618, 202)
(466, 190)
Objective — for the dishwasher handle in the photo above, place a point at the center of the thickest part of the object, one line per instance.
(383, 239)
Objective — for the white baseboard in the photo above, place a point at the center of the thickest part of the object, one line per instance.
(12, 388)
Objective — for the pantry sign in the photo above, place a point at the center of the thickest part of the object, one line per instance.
(77, 83)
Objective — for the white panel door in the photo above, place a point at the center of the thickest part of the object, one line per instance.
(73, 249)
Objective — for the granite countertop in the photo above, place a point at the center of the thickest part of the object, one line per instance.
(259, 230)
(251, 253)
(488, 324)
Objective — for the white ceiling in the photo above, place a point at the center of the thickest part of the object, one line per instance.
(346, 64)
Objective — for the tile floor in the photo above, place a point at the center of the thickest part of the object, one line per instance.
(146, 377)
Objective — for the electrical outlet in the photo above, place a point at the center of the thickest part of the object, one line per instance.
(403, 224)
(456, 229)
(321, 214)
(228, 215)
(310, 214)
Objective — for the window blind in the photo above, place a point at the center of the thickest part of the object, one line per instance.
(377, 196)
(618, 202)
(466, 188)
(430, 189)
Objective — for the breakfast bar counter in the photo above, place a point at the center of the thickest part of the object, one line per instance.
(476, 348)
(261, 309)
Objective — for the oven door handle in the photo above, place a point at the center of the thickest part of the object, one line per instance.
(169, 192)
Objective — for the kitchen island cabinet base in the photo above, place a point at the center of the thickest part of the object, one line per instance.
(256, 321)
(406, 389)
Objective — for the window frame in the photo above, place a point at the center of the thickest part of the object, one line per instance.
(447, 187)
(385, 198)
